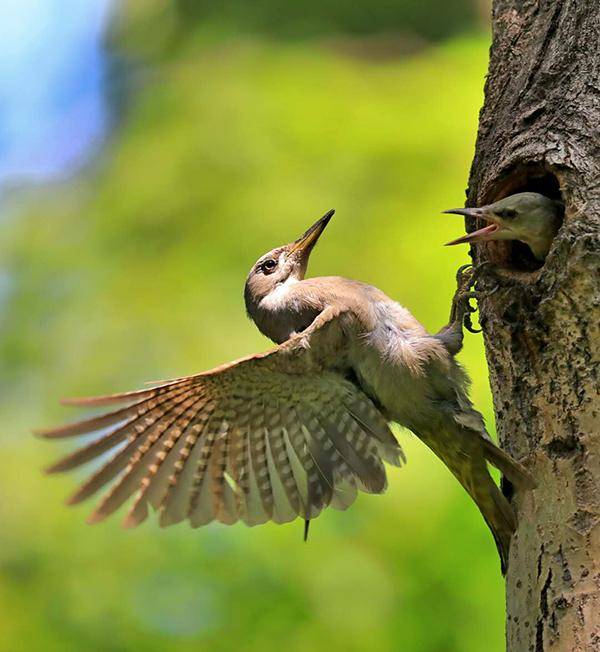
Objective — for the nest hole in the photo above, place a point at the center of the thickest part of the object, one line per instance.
(530, 177)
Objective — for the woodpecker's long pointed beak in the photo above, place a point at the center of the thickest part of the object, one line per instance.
(481, 235)
(305, 243)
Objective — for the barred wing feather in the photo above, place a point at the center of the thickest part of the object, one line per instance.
(269, 437)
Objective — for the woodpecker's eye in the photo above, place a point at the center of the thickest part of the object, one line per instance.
(508, 213)
(268, 266)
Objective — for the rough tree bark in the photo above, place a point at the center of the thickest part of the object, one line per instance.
(540, 130)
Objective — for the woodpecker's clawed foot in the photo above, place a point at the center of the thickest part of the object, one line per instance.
(460, 313)
(467, 276)
(468, 310)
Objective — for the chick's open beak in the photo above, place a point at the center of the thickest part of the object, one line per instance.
(481, 235)
(305, 243)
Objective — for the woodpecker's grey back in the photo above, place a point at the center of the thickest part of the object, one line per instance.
(305, 425)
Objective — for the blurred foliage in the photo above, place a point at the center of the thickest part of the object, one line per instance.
(136, 273)
(427, 18)
(158, 27)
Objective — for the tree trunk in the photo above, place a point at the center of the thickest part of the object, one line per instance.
(540, 130)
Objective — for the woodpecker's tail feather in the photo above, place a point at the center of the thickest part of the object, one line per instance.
(469, 419)
(518, 475)
(465, 451)
(493, 505)
(496, 511)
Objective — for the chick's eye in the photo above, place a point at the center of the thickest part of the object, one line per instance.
(268, 266)
(508, 213)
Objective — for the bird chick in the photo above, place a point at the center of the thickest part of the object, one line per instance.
(286, 433)
(527, 216)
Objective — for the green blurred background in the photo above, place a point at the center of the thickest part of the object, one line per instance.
(227, 129)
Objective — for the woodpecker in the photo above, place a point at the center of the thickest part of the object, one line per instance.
(527, 216)
(303, 426)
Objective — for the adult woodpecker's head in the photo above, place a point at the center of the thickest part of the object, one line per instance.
(283, 264)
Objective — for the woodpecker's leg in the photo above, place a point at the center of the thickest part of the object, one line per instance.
(461, 307)
(460, 312)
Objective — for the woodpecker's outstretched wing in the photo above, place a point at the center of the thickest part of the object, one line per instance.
(268, 437)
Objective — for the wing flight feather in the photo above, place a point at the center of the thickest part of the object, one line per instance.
(269, 437)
